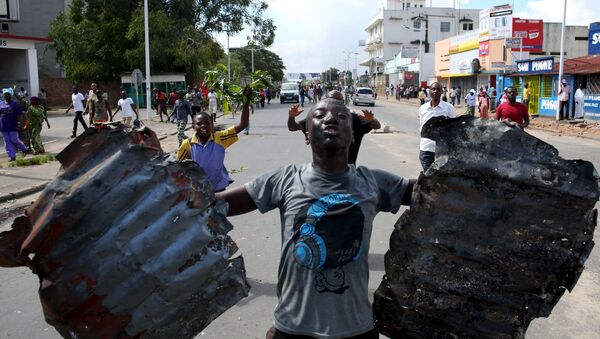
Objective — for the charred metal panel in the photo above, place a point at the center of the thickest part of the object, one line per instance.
(127, 242)
(498, 228)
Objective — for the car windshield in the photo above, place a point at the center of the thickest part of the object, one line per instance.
(289, 87)
(365, 91)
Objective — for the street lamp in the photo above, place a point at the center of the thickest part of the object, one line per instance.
(251, 39)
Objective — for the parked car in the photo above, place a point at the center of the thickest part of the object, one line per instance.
(289, 92)
(364, 95)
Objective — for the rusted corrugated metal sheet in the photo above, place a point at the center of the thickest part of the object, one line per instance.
(127, 242)
(498, 228)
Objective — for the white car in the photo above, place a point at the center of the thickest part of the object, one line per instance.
(364, 95)
(289, 92)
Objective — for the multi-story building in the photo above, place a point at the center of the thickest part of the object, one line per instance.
(413, 27)
(24, 28)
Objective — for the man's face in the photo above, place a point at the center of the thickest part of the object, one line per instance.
(436, 91)
(511, 94)
(75, 89)
(124, 95)
(330, 125)
(202, 125)
(7, 97)
(94, 87)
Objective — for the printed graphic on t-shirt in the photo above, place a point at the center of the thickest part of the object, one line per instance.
(328, 235)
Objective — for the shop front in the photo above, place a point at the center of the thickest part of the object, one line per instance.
(19, 66)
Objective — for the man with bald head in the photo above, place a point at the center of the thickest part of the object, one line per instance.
(361, 124)
(327, 209)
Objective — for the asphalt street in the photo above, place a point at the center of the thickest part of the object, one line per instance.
(269, 146)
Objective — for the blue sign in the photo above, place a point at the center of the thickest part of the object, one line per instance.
(594, 39)
(548, 106)
(537, 66)
(591, 107)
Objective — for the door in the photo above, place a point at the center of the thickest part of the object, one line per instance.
(535, 90)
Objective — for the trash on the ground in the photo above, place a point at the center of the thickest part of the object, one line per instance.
(498, 228)
(127, 242)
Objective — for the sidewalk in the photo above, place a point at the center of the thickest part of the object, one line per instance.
(17, 182)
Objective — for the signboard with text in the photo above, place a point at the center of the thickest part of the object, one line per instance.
(484, 48)
(513, 43)
(409, 51)
(495, 23)
(532, 33)
(591, 107)
(548, 106)
(594, 39)
(537, 66)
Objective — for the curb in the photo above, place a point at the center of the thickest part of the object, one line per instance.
(23, 193)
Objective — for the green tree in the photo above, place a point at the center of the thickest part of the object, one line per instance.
(264, 60)
(330, 75)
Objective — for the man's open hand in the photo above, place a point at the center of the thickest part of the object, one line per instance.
(294, 111)
(367, 115)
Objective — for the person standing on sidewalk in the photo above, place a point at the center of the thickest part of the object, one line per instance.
(36, 115)
(458, 94)
(434, 108)
(422, 96)
(526, 95)
(11, 118)
(564, 94)
(484, 104)
(77, 104)
(181, 111)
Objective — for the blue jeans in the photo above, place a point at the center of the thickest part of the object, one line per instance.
(426, 159)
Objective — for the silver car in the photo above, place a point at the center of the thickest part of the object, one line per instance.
(364, 95)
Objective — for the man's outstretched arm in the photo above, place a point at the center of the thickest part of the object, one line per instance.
(238, 199)
(369, 117)
(408, 193)
(292, 114)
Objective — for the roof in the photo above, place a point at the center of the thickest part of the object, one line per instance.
(588, 64)
(19, 37)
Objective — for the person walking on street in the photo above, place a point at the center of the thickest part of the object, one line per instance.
(422, 96)
(11, 119)
(181, 111)
(513, 111)
(99, 110)
(160, 103)
(453, 96)
(77, 104)
(579, 95)
(433, 108)
(484, 104)
(36, 115)
(471, 100)
(324, 205)
(458, 94)
(196, 101)
(43, 96)
(126, 105)
(564, 94)
(213, 105)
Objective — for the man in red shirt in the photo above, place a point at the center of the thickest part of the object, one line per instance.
(513, 110)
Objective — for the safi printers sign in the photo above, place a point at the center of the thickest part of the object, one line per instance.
(594, 39)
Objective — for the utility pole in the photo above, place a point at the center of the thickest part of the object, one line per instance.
(562, 60)
(147, 57)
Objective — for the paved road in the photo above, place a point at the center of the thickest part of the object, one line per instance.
(270, 145)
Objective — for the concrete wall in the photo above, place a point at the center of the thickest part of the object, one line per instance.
(59, 91)
(573, 48)
(13, 68)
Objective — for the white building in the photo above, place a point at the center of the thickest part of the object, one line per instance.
(410, 23)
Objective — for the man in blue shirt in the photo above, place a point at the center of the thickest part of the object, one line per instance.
(11, 116)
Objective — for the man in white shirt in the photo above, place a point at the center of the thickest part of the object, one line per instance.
(564, 94)
(428, 110)
(126, 104)
(213, 105)
(77, 104)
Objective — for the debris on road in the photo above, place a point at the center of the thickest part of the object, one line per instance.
(127, 242)
(573, 128)
(499, 227)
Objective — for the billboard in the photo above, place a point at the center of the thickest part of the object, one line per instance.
(495, 23)
(409, 51)
(463, 42)
(536, 66)
(484, 48)
(594, 39)
(460, 63)
(532, 33)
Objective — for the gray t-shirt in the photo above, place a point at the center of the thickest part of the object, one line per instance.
(326, 229)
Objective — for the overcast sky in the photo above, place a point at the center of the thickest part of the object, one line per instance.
(312, 35)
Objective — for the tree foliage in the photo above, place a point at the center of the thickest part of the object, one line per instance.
(330, 75)
(264, 60)
(101, 39)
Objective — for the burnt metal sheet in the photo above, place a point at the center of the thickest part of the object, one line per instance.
(127, 242)
(498, 228)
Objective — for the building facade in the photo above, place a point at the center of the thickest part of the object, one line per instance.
(24, 42)
(402, 27)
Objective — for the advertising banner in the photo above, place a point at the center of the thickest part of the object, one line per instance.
(536, 66)
(591, 107)
(461, 63)
(463, 42)
(484, 48)
(532, 33)
(410, 51)
(495, 23)
(548, 106)
(513, 43)
(594, 39)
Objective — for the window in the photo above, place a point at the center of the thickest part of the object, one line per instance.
(445, 26)
(407, 4)
(417, 25)
(467, 26)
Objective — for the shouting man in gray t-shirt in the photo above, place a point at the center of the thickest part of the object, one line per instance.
(327, 209)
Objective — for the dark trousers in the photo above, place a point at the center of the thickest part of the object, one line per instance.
(564, 106)
(427, 159)
(274, 333)
(79, 118)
